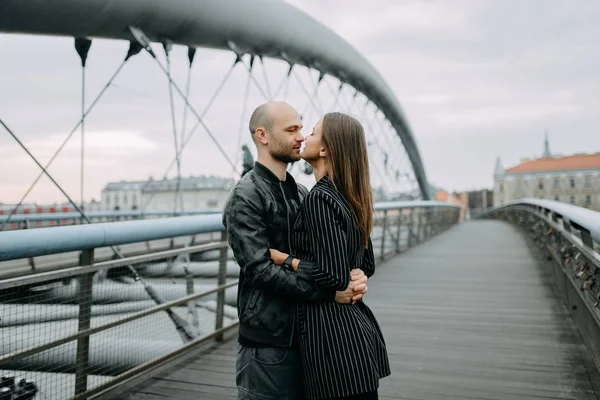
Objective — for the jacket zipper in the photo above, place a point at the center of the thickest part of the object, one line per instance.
(287, 211)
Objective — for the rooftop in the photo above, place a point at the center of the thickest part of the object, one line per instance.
(190, 183)
(567, 163)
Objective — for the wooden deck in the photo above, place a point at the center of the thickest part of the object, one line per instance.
(468, 315)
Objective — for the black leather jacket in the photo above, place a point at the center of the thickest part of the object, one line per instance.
(258, 216)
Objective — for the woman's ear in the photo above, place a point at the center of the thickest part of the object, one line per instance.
(322, 152)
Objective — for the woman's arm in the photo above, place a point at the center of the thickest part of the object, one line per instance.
(327, 240)
(368, 264)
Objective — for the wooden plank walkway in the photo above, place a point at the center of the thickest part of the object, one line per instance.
(468, 315)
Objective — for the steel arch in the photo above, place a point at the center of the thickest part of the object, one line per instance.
(268, 28)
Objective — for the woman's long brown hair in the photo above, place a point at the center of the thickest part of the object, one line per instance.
(348, 167)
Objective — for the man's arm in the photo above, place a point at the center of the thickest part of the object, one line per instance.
(244, 220)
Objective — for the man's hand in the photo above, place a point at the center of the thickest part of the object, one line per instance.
(355, 290)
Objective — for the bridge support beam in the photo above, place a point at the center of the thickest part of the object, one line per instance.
(84, 322)
(221, 280)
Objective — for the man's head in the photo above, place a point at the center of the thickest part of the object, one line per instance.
(276, 130)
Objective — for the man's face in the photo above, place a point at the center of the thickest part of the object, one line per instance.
(285, 137)
(313, 145)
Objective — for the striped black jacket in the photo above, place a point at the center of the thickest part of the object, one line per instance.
(343, 350)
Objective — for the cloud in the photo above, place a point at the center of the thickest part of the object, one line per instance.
(476, 79)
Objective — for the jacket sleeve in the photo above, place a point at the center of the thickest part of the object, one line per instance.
(368, 263)
(244, 220)
(329, 242)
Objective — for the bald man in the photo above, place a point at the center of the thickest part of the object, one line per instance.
(258, 215)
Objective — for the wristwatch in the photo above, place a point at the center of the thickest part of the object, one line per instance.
(288, 261)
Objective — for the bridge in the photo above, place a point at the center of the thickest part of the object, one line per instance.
(141, 304)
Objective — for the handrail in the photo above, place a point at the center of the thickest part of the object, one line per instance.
(389, 205)
(139, 214)
(45, 241)
(579, 218)
(61, 239)
(397, 232)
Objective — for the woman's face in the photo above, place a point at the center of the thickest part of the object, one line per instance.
(313, 144)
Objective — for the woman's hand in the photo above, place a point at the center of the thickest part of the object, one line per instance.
(277, 256)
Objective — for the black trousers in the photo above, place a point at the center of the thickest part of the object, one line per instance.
(363, 396)
(269, 373)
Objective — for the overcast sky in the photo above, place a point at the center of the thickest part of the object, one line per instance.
(477, 80)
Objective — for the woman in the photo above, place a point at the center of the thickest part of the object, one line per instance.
(343, 350)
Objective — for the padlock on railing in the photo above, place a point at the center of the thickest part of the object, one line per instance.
(588, 284)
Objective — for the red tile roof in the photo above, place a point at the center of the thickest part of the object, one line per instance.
(582, 161)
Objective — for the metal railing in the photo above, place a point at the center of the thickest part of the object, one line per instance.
(570, 238)
(82, 330)
(40, 220)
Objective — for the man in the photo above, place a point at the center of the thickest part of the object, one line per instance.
(258, 216)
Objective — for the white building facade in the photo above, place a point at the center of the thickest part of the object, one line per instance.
(570, 179)
(194, 193)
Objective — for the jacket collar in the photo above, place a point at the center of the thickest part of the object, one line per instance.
(325, 180)
(267, 174)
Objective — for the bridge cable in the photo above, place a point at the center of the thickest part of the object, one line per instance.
(82, 46)
(189, 279)
(167, 45)
(264, 70)
(180, 325)
(134, 48)
(285, 83)
(193, 130)
(306, 92)
(371, 161)
(316, 87)
(143, 40)
(333, 93)
(390, 141)
(256, 83)
(244, 110)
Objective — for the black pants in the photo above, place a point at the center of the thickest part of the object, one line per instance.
(269, 373)
(363, 396)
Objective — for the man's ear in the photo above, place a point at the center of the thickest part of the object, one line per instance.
(261, 136)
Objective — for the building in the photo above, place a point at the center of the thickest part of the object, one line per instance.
(571, 179)
(198, 193)
(458, 199)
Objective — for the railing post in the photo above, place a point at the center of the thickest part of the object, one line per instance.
(221, 279)
(31, 259)
(411, 224)
(399, 232)
(421, 230)
(84, 299)
(383, 234)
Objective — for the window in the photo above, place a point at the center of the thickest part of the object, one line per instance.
(125, 199)
(556, 183)
(572, 200)
(502, 187)
(116, 200)
(211, 202)
(134, 199)
(556, 198)
(108, 200)
(572, 183)
(541, 185)
(588, 200)
(588, 182)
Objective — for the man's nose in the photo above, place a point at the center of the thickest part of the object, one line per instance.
(300, 138)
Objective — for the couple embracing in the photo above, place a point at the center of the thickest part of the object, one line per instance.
(305, 258)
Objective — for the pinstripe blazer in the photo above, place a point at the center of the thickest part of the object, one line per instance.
(343, 350)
